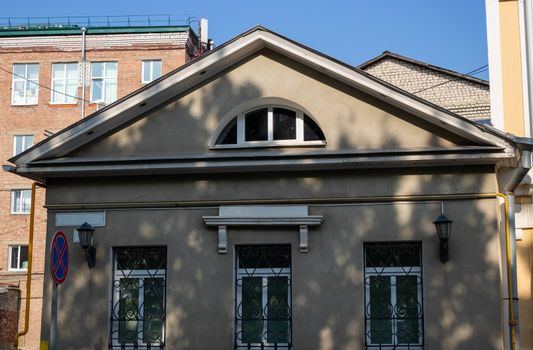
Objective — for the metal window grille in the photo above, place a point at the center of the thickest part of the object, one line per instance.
(138, 308)
(263, 317)
(394, 316)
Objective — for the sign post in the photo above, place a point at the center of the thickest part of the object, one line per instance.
(59, 262)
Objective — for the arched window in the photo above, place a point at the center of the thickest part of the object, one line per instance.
(270, 126)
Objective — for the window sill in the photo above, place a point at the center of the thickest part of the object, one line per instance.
(17, 213)
(53, 105)
(17, 270)
(266, 144)
(24, 104)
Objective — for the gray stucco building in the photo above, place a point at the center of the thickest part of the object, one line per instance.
(265, 196)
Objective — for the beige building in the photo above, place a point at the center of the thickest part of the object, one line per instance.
(266, 196)
(52, 75)
(510, 44)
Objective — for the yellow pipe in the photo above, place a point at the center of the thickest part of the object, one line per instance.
(512, 322)
(30, 260)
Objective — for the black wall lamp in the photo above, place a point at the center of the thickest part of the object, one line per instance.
(85, 233)
(444, 230)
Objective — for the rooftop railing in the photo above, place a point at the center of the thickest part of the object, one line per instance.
(94, 21)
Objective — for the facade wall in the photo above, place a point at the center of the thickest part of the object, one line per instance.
(336, 107)
(128, 50)
(461, 298)
(466, 98)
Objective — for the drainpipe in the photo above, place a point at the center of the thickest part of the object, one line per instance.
(528, 36)
(510, 187)
(83, 32)
(30, 263)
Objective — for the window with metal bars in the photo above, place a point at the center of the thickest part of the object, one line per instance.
(394, 316)
(263, 317)
(138, 298)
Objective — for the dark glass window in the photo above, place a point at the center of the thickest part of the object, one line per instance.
(311, 130)
(393, 296)
(256, 125)
(284, 124)
(138, 300)
(228, 136)
(263, 317)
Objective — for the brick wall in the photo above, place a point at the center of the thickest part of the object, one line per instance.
(464, 97)
(9, 314)
(35, 119)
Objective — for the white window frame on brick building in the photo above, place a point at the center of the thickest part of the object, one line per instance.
(20, 201)
(15, 253)
(25, 85)
(106, 79)
(64, 83)
(151, 70)
(21, 143)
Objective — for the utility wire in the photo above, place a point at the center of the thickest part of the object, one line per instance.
(473, 72)
(20, 228)
(44, 86)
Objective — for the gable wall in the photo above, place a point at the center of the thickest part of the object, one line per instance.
(460, 96)
(349, 118)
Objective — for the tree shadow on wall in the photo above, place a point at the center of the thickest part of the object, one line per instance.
(461, 298)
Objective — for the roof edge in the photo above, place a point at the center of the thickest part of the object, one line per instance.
(389, 54)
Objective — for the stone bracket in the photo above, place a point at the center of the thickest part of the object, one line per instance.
(263, 216)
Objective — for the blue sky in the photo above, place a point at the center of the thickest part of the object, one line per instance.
(447, 33)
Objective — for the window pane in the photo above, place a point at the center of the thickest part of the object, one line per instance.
(392, 255)
(14, 258)
(17, 201)
(311, 130)
(380, 310)
(141, 259)
(271, 257)
(278, 310)
(228, 136)
(97, 90)
(32, 90)
(156, 69)
(97, 69)
(72, 71)
(110, 90)
(58, 90)
(284, 124)
(23, 257)
(19, 70)
(252, 309)
(71, 91)
(58, 70)
(33, 72)
(128, 310)
(111, 69)
(256, 125)
(18, 140)
(407, 309)
(18, 92)
(26, 201)
(146, 71)
(154, 310)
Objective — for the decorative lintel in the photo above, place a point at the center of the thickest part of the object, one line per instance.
(276, 215)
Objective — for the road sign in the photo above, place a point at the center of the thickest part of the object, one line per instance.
(59, 257)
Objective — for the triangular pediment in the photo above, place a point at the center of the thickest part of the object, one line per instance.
(176, 116)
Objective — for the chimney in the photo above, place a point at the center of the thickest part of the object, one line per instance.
(202, 30)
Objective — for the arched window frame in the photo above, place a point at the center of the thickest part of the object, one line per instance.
(239, 113)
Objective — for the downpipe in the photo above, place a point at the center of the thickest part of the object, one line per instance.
(30, 264)
(510, 228)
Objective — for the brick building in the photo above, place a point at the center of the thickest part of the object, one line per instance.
(44, 87)
(462, 94)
